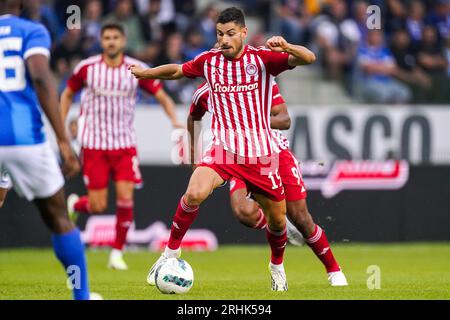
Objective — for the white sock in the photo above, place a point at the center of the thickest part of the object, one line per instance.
(116, 253)
(277, 266)
(169, 253)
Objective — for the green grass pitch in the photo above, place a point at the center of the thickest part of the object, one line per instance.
(408, 271)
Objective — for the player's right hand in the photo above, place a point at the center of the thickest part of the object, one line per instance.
(71, 165)
(137, 71)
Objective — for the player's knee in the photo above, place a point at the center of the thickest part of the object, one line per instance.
(97, 207)
(195, 196)
(276, 224)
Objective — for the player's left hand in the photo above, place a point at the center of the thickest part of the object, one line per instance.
(71, 165)
(137, 71)
(277, 44)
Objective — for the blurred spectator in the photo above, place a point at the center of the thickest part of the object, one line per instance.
(173, 53)
(415, 21)
(431, 57)
(91, 26)
(359, 10)
(73, 135)
(293, 20)
(447, 55)
(439, 17)
(375, 67)
(69, 48)
(408, 71)
(38, 11)
(193, 44)
(124, 13)
(395, 17)
(185, 10)
(338, 39)
(208, 25)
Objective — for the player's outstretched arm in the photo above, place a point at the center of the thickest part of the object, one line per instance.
(279, 117)
(298, 55)
(169, 107)
(164, 72)
(44, 85)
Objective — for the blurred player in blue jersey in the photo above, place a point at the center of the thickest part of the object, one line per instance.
(26, 86)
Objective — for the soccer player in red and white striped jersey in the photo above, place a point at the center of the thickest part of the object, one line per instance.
(108, 136)
(248, 211)
(240, 80)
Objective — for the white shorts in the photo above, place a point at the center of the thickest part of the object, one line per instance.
(33, 169)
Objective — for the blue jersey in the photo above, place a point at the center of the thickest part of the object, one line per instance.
(20, 113)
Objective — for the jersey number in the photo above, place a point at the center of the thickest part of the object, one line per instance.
(12, 68)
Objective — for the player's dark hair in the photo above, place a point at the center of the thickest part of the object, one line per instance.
(112, 25)
(232, 14)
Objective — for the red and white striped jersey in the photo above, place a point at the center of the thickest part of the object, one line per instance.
(200, 106)
(240, 96)
(108, 101)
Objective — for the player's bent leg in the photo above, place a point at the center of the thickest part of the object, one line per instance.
(277, 238)
(203, 181)
(246, 210)
(124, 219)
(316, 239)
(66, 241)
(98, 200)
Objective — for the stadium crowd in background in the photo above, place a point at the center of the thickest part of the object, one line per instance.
(407, 62)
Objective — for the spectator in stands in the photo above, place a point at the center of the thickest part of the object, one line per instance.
(91, 26)
(180, 91)
(375, 67)
(124, 13)
(208, 25)
(395, 17)
(447, 55)
(408, 70)
(185, 10)
(439, 17)
(193, 44)
(293, 20)
(338, 39)
(415, 21)
(37, 11)
(359, 11)
(431, 57)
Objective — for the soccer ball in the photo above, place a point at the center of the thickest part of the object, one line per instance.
(174, 276)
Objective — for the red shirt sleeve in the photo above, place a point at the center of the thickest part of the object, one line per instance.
(150, 85)
(277, 98)
(194, 68)
(275, 62)
(199, 107)
(78, 78)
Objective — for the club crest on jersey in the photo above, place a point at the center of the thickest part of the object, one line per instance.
(251, 69)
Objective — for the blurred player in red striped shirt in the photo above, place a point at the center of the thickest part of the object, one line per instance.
(108, 137)
(247, 210)
(240, 80)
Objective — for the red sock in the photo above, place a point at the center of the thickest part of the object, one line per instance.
(82, 205)
(318, 242)
(236, 184)
(183, 219)
(124, 219)
(262, 223)
(277, 241)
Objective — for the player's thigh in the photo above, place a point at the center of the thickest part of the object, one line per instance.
(275, 211)
(203, 181)
(96, 169)
(34, 170)
(291, 177)
(125, 166)
(124, 190)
